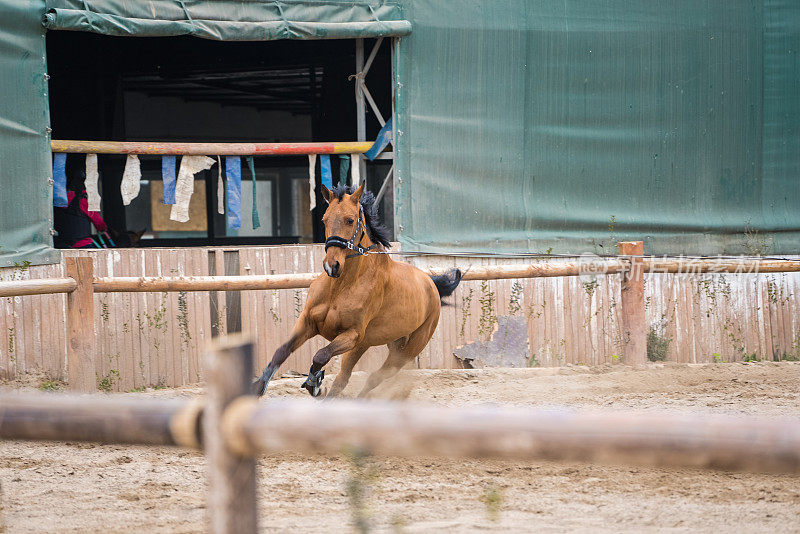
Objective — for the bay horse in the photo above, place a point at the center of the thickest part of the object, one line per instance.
(364, 299)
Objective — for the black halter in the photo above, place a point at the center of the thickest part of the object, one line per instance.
(336, 241)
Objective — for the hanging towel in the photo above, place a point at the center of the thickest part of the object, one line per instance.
(92, 193)
(385, 136)
(356, 172)
(325, 169)
(60, 180)
(190, 165)
(220, 189)
(344, 168)
(312, 181)
(254, 217)
(233, 173)
(130, 179)
(168, 175)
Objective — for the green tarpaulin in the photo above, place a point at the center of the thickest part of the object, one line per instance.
(528, 126)
(25, 164)
(230, 20)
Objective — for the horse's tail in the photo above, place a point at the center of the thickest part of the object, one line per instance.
(447, 283)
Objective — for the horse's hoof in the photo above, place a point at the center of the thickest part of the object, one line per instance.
(314, 391)
(313, 383)
(260, 385)
(259, 388)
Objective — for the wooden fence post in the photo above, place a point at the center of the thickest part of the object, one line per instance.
(80, 326)
(634, 328)
(231, 477)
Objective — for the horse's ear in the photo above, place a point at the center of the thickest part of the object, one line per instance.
(356, 196)
(326, 194)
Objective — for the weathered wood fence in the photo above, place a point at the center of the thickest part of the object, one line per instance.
(150, 329)
(234, 427)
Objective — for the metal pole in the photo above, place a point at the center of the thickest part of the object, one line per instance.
(386, 180)
(361, 117)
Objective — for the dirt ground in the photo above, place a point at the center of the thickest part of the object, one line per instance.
(58, 487)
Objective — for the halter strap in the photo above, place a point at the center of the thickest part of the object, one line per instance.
(350, 244)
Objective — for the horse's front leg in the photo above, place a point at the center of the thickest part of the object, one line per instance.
(342, 343)
(302, 332)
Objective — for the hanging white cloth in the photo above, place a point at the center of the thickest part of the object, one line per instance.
(184, 187)
(220, 189)
(92, 193)
(130, 179)
(355, 169)
(312, 181)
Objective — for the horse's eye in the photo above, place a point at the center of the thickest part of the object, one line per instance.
(350, 221)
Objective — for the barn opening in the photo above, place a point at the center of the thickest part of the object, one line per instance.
(188, 89)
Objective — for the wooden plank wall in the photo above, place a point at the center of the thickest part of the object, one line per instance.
(156, 339)
(149, 339)
(575, 320)
(570, 319)
(32, 328)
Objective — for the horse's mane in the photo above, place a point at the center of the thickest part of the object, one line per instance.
(378, 233)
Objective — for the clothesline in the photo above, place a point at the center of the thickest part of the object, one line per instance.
(178, 188)
(194, 158)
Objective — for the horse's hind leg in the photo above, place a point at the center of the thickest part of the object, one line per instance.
(394, 362)
(349, 361)
(401, 352)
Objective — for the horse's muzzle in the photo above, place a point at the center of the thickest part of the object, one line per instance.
(332, 270)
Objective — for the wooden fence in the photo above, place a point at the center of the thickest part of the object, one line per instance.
(154, 338)
(234, 428)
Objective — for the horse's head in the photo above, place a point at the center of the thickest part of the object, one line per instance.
(344, 223)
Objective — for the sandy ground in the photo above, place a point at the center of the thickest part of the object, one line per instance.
(59, 487)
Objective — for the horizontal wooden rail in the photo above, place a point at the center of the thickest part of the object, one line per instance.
(207, 149)
(302, 280)
(45, 286)
(405, 429)
(102, 419)
(480, 272)
(696, 266)
(202, 283)
(543, 270)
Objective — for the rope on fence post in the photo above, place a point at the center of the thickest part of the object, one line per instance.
(231, 477)
(80, 326)
(634, 329)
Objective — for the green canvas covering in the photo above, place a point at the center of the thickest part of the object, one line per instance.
(528, 126)
(230, 20)
(25, 168)
(523, 125)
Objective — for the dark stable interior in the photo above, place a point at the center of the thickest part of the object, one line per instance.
(189, 89)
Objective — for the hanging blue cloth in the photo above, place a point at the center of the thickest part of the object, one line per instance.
(60, 180)
(383, 139)
(168, 175)
(254, 215)
(344, 168)
(233, 172)
(325, 170)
